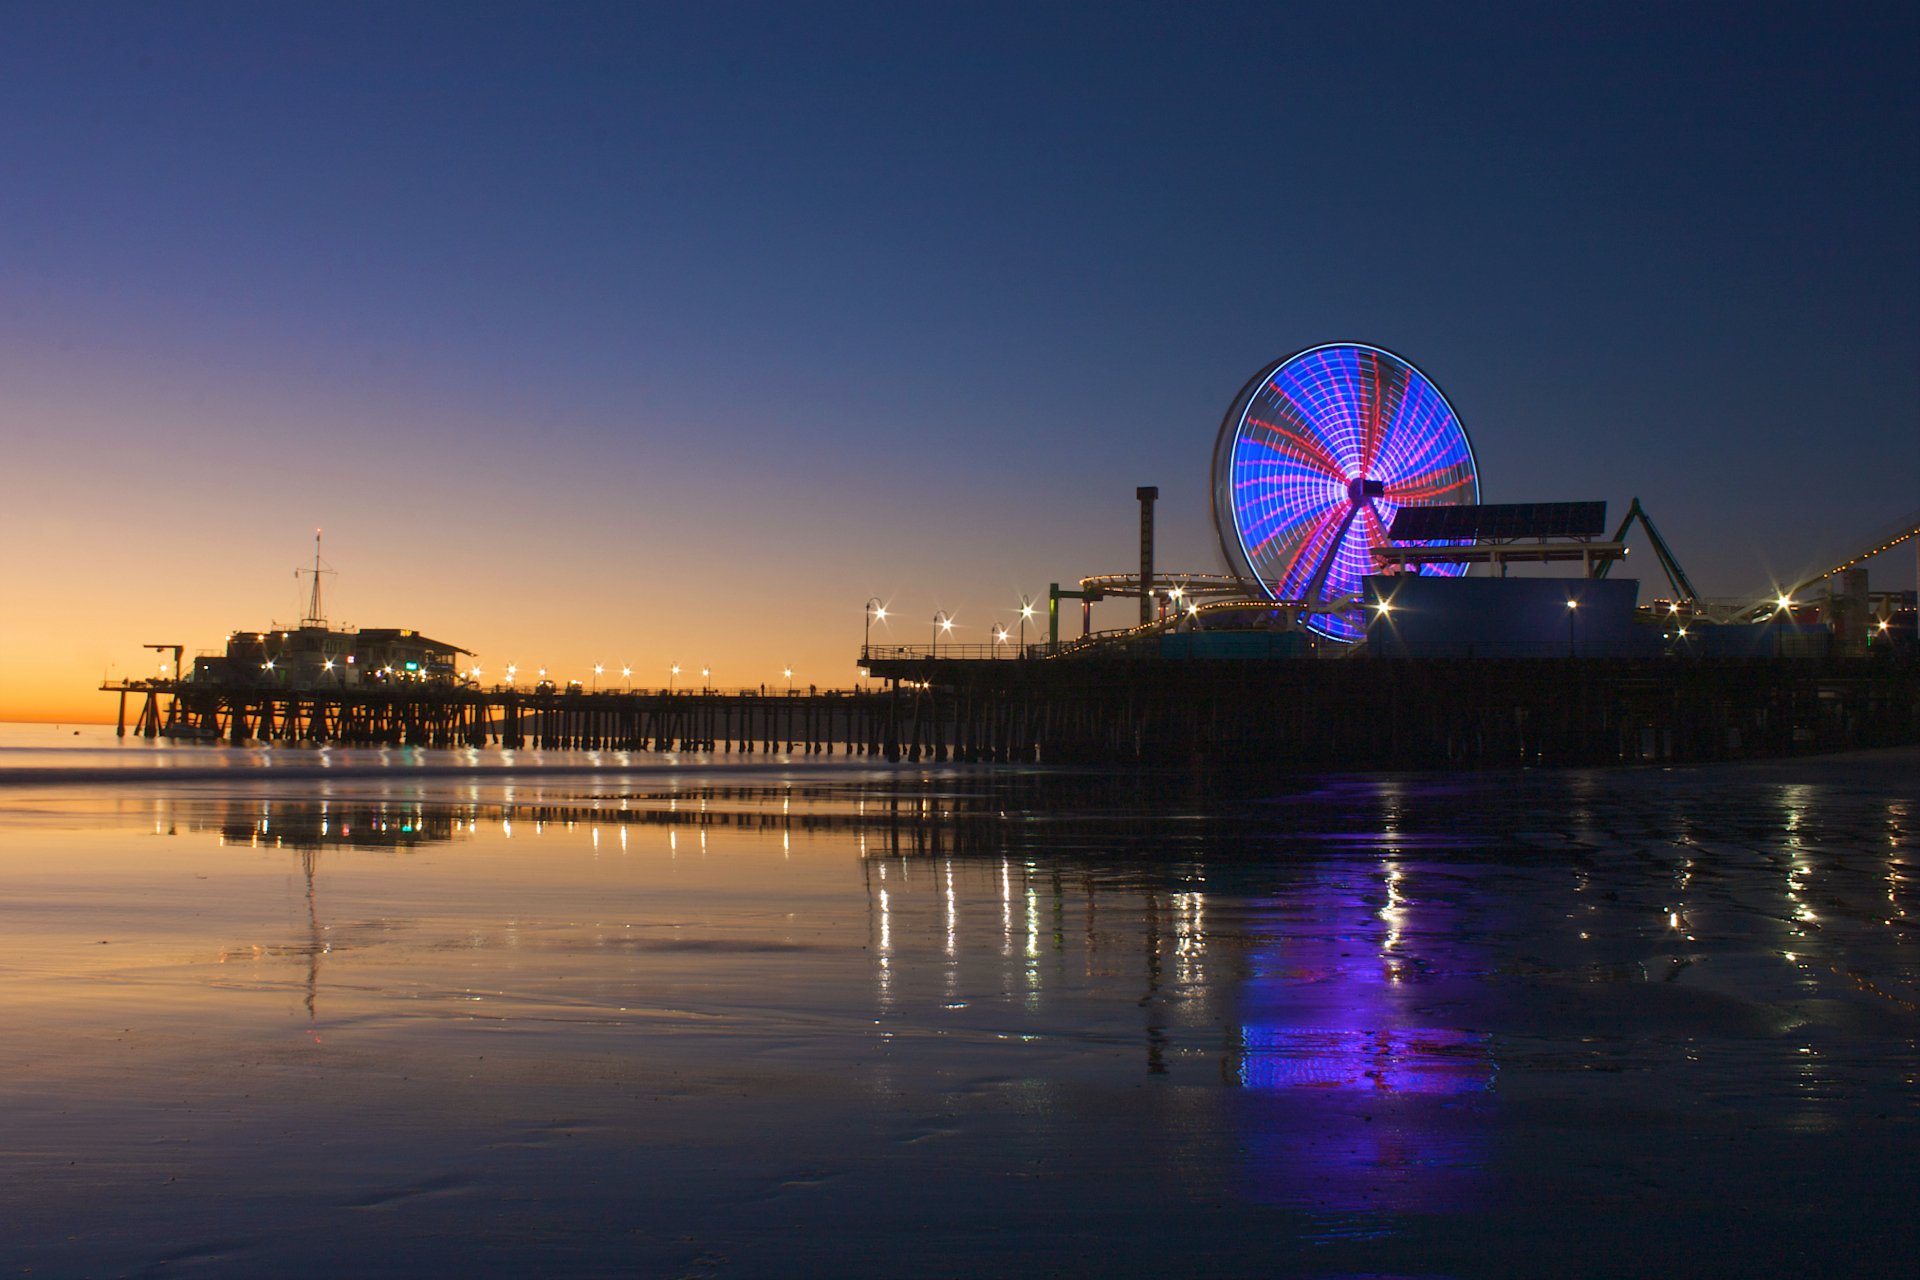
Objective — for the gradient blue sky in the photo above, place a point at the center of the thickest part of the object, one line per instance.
(655, 333)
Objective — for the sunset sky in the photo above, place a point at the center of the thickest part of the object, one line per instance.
(644, 333)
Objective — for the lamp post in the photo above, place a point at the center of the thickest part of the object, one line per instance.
(942, 621)
(789, 674)
(1026, 611)
(512, 671)
(672, 671)
(706, 679)
(598, 671)
(999, 638)
(874, 609)
(1573, 607)
(627, 673)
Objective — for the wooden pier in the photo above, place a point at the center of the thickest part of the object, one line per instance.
(1270, 714)
(428, 715)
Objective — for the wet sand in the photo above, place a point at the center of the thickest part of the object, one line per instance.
(832, 1020)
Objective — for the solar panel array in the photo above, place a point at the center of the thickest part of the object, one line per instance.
(1497, 521)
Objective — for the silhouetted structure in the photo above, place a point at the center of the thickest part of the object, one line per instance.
(1127, 707)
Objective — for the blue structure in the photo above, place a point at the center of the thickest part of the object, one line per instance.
(1316, 455)
(1411, 616)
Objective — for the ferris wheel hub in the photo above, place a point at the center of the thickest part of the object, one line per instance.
(1359, 490)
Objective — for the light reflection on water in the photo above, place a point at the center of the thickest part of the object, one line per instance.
(1374, 1016)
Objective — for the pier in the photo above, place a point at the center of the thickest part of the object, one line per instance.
(1421, 713)
(448, 715)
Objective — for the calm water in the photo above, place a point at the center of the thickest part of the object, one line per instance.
(330, 1013)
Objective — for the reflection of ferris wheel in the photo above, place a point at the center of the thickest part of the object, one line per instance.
(1316, 455)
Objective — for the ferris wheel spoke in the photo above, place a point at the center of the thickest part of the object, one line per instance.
(1330, 417)
(1405, 493)
(1387, 381)
(1265, 457)
(1419, 441)
(1267, 499)
(1305, 449)
(1323, 526)
(1409, 479)
(1290, 518)
(1376, 530)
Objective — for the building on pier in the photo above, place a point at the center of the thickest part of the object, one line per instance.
(316, 657)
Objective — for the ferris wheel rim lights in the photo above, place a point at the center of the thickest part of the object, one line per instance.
(1315, 454)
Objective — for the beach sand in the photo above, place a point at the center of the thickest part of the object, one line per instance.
(710, 1019)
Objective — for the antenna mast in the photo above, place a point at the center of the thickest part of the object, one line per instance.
(314, 617)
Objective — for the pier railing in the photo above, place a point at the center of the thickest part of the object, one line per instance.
(944, 652)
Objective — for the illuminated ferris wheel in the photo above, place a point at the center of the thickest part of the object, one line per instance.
(1315, 456)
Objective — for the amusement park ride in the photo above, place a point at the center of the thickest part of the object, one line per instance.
(1345, 461)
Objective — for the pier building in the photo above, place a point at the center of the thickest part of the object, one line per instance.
(314, 657)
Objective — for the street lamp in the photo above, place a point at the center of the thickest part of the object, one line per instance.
(1572, 607)
(999, 638)
(1026, 611)
(874, 609)
(789, 681)
(511, 672)
(706, 679)
(598, 671)
(628, 673)
(672, 671)
(942, 621)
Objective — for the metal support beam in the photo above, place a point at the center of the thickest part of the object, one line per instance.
(1054, 596)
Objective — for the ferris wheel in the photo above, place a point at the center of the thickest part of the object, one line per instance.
(1315, 456)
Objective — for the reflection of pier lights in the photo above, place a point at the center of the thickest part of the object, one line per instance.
(1014, 936)
(880, 929)
(308, 858)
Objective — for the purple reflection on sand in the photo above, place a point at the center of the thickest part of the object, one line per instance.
(1370, 1107)
(1434, 1060)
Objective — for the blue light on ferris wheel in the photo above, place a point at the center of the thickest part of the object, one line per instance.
(1315, 456)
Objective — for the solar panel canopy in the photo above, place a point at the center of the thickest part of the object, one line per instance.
(1491, 522)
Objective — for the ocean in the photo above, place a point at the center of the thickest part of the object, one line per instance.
(311, 1011)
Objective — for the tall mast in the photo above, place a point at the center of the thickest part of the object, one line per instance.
(314, 617)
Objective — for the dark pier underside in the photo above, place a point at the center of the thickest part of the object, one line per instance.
(1263, 714)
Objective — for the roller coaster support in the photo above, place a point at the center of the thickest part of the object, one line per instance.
(1676, 576)
(1054, 596)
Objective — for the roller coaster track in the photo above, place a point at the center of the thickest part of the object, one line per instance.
(1902, 530)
